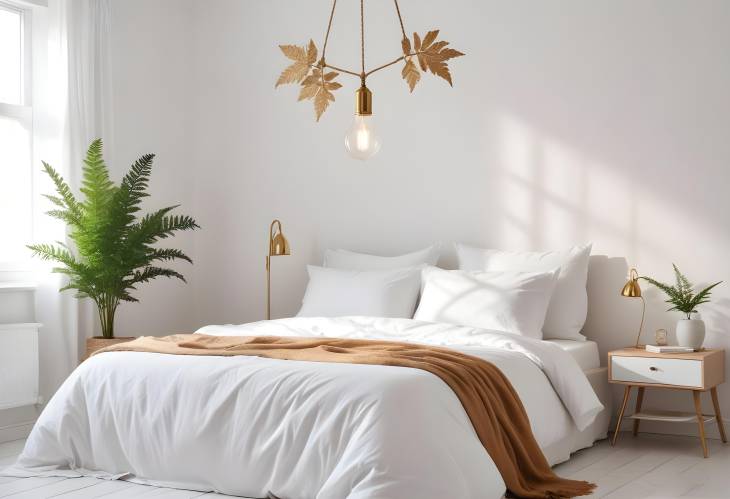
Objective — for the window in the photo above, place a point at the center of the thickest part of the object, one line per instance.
(16, 133)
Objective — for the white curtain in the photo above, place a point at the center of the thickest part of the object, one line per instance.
(72, 107)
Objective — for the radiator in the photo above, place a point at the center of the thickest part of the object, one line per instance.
(18, 346)
(19, 365)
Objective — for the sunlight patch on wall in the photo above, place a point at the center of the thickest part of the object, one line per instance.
(554, 195)
(517, 161)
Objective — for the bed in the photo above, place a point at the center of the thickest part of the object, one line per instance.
(586, 355)
(252, 426)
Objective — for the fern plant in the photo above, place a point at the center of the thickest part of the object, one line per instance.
(682, 296)
(114, 247)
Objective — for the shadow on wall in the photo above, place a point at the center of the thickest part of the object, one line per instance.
(549, 193)
(720, 314)
(606, 277)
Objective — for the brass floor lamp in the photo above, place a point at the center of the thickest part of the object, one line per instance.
(278, 246)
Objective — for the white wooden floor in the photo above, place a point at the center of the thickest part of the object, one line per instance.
(647, 466)
(653, 466)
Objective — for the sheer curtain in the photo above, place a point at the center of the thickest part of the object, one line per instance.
(72, 92)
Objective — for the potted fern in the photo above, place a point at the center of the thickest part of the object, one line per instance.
(114, 246)
(690, 332)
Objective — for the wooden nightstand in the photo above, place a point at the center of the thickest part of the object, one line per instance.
(696, 372)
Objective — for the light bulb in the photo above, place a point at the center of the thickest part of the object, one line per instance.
(361, 141)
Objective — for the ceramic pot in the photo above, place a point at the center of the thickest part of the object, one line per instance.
(690, 333)
(98, 342)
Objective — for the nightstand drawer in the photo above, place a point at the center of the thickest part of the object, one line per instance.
(679, 372)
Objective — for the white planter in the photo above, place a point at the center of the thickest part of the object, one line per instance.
(690, 333)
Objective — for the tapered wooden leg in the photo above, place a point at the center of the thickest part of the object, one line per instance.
(639, 401)
(700, 421)
(718, 414)
(627, 392)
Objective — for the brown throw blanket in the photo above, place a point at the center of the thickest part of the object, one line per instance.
(493, 406)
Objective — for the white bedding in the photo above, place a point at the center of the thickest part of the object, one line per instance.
(585, 353)
(249, 426)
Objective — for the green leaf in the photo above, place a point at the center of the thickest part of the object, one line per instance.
(149, 273)
(702, 297)
(168, 254)
(65, 198)
(682, 296)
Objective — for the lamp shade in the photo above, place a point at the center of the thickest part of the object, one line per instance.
(278, 245)
(632, 289)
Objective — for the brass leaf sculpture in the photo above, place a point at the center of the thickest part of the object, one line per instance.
(410, 72)
(317, 84)
(303, 60)
(432, 56)
(306, 71)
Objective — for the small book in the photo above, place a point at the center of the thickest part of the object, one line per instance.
(668, 349)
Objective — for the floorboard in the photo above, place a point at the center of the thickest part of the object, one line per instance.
(644, 467)
(103, 488)
(69, 485)
(12, 489)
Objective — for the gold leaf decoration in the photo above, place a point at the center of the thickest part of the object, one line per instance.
(406, 44)
(303, 59)
(411, 74)
(318, 83)
(305, 70)
(319, 86)
(432, 55)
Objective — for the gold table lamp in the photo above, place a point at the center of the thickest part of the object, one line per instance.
(278, 246)
(632, 290)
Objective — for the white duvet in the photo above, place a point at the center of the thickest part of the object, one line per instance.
(252, 426)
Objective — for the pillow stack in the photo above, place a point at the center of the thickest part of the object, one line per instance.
(538, 295)
(568, 307)
(359, 284)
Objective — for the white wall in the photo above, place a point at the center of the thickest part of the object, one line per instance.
(583, 121)
(152, 69)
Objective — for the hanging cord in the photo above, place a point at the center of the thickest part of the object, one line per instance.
(329, 27)
(322, 61)
(400, 19)
(362, 42)
(362, 75)
(405, 37)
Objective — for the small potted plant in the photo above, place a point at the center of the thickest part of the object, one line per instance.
(113, 246)
(690, 332)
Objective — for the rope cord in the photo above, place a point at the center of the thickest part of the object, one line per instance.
(400, 19)
(329, 27)
(362, 39)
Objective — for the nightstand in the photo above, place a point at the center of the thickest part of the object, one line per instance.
(696, 372)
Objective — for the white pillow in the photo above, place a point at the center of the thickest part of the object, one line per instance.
(343, 259)
(513, 302)
(380, 293)
(568, 307)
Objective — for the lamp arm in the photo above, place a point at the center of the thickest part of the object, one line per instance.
(641, 324)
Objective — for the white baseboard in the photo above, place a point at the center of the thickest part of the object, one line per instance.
(15, 431)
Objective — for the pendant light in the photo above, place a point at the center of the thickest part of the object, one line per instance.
(361, 140)
(317, 77)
